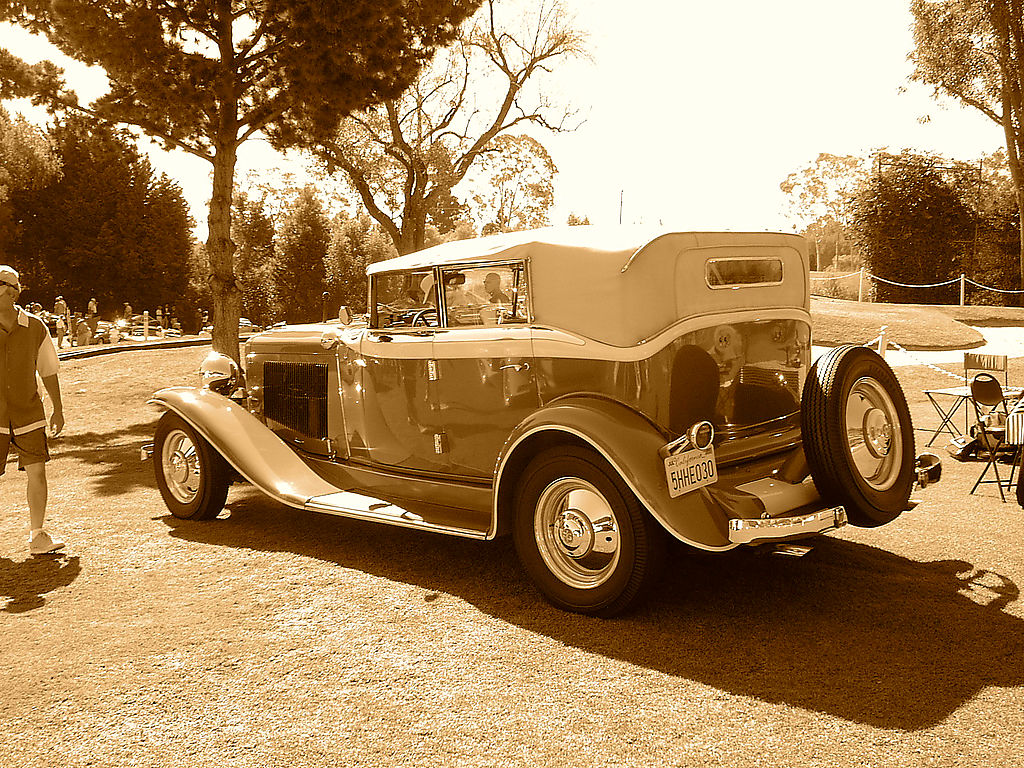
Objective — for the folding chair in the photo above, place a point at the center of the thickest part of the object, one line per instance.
(1015, 437)
(991, 416)
(978, 362)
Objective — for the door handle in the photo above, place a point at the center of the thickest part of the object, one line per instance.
(516, 367)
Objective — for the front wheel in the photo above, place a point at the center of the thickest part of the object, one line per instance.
(858, 436)
(192, 477)
(581, 534)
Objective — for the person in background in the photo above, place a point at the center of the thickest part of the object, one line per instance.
(92, 318)
(61, 329)
(60, 309)
(27, 349)
(127, 313)
(83, 332)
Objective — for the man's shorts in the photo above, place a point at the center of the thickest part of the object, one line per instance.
(31, 448)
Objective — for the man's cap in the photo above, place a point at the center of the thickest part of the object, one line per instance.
(59, 298)
(10, 275)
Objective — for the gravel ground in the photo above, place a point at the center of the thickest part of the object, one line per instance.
(275, 637)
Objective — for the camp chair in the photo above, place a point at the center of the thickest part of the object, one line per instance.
(974, 361)
(990, 429)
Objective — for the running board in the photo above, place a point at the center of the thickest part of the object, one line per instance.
(361, 507)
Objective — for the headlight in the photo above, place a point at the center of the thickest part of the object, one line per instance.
(220, 373)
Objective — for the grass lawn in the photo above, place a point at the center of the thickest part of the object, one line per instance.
(911, 326)
(273, 637)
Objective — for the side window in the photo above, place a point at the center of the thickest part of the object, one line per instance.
(478, 296)
(743, 271)
(404, 300)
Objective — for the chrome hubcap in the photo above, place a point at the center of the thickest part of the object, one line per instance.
(576, 532)
(182, 470)
(873, 434)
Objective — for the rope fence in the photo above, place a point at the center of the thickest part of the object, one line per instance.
(864, 279)
(882, 344)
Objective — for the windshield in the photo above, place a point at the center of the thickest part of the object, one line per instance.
(404, 299)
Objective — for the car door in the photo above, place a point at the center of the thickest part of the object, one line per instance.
(395, 415)
(483, 356)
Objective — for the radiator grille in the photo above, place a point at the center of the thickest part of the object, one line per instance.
(295, 395)
(762, 377)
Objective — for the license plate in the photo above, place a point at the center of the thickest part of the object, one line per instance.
(690, 470)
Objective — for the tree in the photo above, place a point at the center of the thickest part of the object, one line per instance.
(253, 232)
(516, 185)
(28, 163)
(577, 221)
(300, 248)
(405, 156)
(109, 227)
(973, 50)
(207, 75)
(822, 189)
(355, 243)
(912, 224)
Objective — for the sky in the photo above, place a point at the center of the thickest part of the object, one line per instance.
(694, 111)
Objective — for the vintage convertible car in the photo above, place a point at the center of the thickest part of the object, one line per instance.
(590, 392)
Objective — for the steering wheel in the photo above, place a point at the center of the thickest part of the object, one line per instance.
(423, 317)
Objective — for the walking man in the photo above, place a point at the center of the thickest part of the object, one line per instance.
(60, 309)
(25, 349)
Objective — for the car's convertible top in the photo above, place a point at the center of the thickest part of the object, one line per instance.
(622, 285)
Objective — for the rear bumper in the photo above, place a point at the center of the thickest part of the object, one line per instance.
(761, 530)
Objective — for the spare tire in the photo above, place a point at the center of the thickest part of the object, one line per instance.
(858, 436)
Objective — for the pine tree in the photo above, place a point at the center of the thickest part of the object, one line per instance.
(207, 75)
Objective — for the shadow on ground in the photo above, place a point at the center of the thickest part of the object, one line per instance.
(113, 457)
(25, 582)
(849, 630)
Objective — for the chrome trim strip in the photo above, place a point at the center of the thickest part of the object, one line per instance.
(565, 344)
(770, 529)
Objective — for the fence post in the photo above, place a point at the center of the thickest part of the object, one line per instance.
(881, 342)
(145, 324)
(962, 285)
(860, 286)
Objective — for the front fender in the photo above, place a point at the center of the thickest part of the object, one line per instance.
(246, 443)
(630, 444)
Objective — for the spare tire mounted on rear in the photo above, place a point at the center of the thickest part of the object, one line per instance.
(858, 436)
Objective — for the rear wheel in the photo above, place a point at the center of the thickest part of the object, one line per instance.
(581, 534)
(858, 436)
(192, 476)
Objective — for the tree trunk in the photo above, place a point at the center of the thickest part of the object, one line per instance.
(220, 249)
(1020, 219)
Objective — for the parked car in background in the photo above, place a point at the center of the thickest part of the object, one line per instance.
(245, 327)
(591, 393)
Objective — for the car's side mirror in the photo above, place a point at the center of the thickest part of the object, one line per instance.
(344, 316)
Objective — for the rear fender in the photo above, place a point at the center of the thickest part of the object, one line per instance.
(246, 443)
(629, 443)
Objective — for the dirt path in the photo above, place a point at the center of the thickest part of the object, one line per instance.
(271, 637)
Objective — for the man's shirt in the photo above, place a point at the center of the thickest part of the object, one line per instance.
(24, 351)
